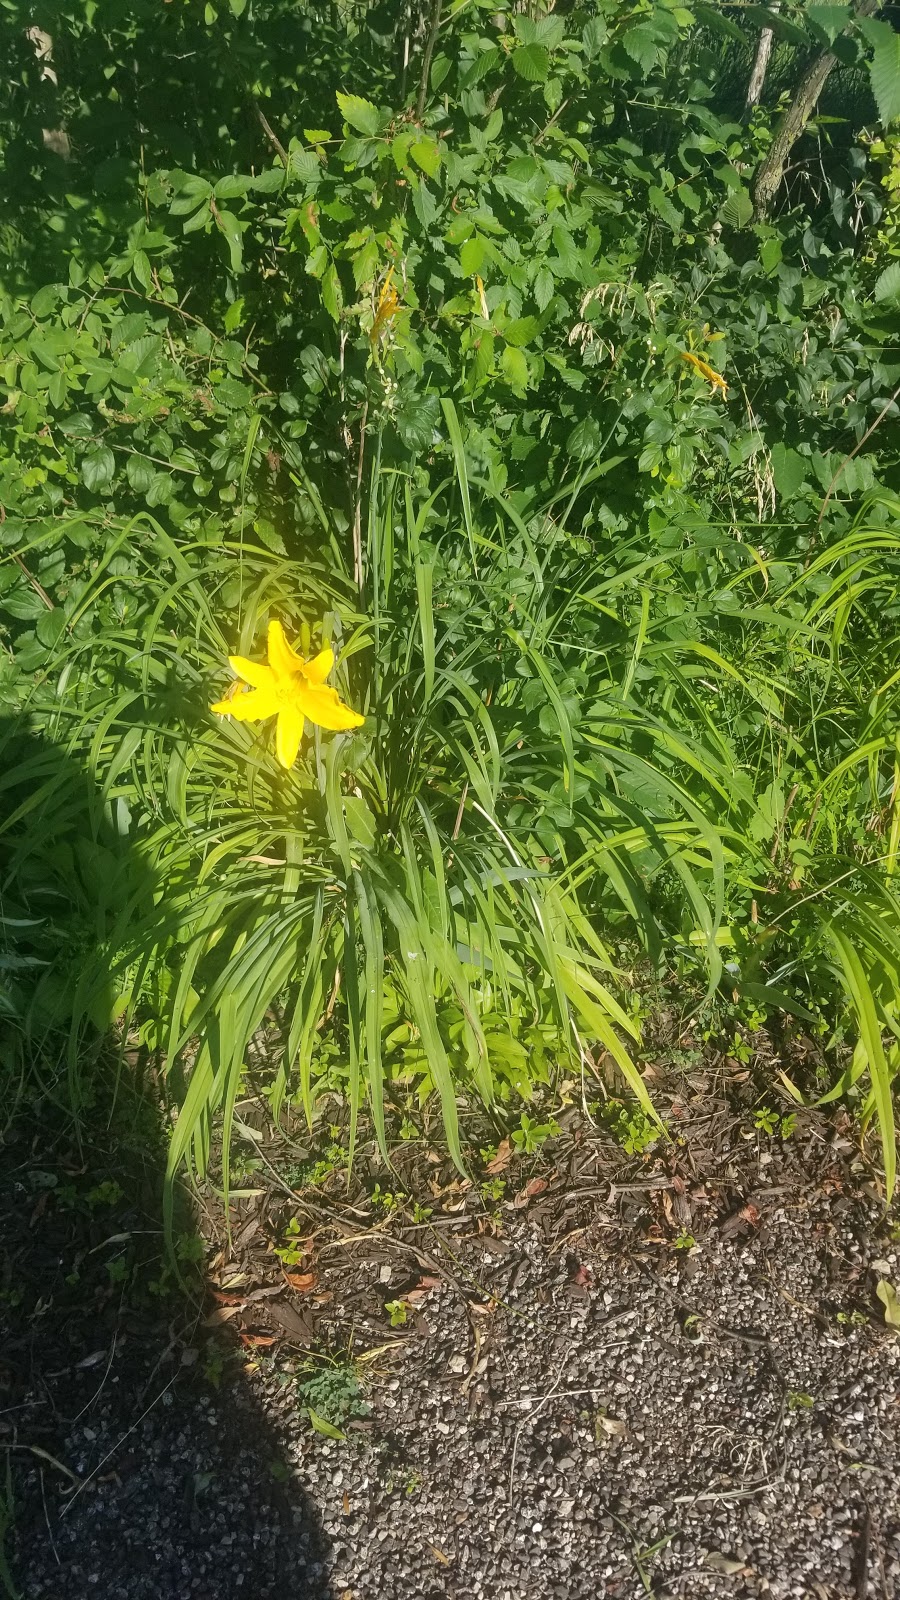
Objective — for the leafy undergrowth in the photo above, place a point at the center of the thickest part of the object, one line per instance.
(562, 448)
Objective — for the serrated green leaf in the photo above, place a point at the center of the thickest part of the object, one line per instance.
(887, 286)
(828, 21)
(514, 365)
(594, 36)
(426, 153)
(736, 211)
(664, 208)
(544, 288)
(332, 294)
(532, 62)
(472, 256)
(884, 67)
(521, 330)
(359, 114)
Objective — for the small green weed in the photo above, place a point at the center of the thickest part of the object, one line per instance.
(493, 1189)
(387, 1201)
(767, 1120)
(529, 1136)
(798, 1401)
(291, 1253)
(333, 1392)
(398, 1311)
(629, 1125)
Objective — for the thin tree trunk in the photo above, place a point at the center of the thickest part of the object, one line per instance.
(795, 119)
(426, 59)
(758, 75)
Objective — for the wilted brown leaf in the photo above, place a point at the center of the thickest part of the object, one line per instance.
(501, 1160)
(534, 1186)
(302, 1281)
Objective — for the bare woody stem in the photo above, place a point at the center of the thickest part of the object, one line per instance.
(426, 59)
(795, 119)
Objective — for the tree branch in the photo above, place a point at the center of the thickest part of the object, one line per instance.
(426, 59)
(795, 119)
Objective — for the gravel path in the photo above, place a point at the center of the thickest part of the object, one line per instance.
(659, 1383)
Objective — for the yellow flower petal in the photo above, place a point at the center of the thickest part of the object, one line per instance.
(282, 659)
(317, 670)
(255, 672)
(251, 706)
(324, 707)
(288, 733)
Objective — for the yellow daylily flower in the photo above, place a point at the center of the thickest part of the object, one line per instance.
(706, 371)
(289, 688)
(386, 310)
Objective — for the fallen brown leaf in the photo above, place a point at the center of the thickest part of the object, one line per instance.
(501, 1160)
(302, 1281)
(221, 1314)
(533, 1187)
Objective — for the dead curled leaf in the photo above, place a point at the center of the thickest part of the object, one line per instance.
(613, 1427)
(220, 1314)
(301, 1281)
(501, 1160)
(535, 1186)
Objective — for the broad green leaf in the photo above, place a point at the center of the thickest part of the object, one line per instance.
(584, 440)
(884, 66)
(887, 286)
(720, 22)
(789, 469)
(140, 473)
(98, 468)
(332, 294)
(783, 27)
(483, 363)
(594, 36)
(51, 626)
(544, 288)
(514, 366)
(323, 1426)
(890, 1300)
(664, 208)
(736, 210)
(359, 113)
(521, 331)
(472, 255)
(828, 20)
(231, 228)
(426, 153)
(531, 62)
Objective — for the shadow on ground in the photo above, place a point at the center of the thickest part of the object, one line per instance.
(140, 1467)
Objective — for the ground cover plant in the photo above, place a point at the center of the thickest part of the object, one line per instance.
(505, 379)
